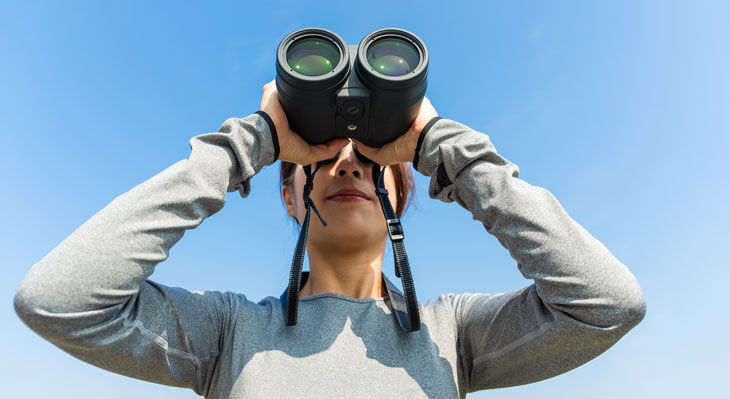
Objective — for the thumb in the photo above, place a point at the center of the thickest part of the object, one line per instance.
(329, 149)
(370, 152)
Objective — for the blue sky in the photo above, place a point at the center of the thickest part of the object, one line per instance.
(620, 109)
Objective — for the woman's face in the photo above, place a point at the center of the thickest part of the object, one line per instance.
(352, 220)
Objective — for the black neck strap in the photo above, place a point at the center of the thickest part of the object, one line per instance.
(295, 276)
(411, 319)
(405, 310)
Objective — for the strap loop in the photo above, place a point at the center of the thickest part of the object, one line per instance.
(308, 203)
(395, 229)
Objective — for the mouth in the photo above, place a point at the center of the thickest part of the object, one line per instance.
(349, 195)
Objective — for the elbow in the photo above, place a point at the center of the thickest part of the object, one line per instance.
(629, 306)
(27, 303)
(35, 300)
(61, 312)
(613, 309)
(632, 309)
(624, 305)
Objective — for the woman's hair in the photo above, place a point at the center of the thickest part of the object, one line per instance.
(402, 174)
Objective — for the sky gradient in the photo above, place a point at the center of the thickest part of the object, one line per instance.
(620, 109)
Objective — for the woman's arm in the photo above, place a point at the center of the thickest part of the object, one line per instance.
(89, 295)
(582, 300)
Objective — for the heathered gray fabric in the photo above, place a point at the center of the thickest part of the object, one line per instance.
(90, 295)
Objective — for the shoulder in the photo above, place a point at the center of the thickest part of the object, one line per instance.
(462, 306)
(233, 302)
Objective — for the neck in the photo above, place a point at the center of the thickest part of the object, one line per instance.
(352, 272)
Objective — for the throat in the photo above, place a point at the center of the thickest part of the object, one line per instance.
(366, 285)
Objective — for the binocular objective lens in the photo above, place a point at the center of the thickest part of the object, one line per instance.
(392, 56)
(312, 56)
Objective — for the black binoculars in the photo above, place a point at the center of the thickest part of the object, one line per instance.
(324, 100)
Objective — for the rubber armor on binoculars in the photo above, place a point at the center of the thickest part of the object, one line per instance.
(371, 92)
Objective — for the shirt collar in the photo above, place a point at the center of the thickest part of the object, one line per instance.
(396, 299)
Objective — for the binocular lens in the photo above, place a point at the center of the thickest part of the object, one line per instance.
(392, 56)
(313, 56)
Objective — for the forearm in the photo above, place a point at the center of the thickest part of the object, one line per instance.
(583, 299)
(572, 270)
(93, 272)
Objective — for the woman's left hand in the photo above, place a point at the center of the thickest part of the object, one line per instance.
(402, 149)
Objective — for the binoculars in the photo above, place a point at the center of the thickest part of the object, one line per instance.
(371, 92)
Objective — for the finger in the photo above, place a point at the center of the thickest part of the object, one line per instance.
(328, 150)
(337, 144)
(363, 149)
(388, 154)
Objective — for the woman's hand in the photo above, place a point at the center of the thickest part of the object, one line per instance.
(292, 148)
(402, 149)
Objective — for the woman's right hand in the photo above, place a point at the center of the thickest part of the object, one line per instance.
(292, 148)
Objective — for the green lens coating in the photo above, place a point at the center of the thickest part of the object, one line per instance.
(392, 56)
(312, 56)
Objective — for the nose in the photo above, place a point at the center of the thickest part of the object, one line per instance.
(349, 164)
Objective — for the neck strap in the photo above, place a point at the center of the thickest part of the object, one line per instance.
(410, 320)
(295, 276)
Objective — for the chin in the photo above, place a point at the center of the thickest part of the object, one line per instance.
(351, 230)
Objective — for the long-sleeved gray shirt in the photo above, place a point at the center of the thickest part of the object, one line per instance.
(90, 295)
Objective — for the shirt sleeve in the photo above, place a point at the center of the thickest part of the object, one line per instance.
(90, 295)
(582, 300)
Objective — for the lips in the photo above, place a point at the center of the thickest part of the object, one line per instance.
(350, 193)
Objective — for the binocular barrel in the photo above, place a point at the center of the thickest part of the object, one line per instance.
(323, 98)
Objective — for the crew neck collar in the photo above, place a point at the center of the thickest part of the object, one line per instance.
(395, 299)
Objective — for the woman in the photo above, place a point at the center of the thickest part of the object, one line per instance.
(90, 296)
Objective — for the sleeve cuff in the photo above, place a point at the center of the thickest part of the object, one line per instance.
(272, 130)
(420, 139)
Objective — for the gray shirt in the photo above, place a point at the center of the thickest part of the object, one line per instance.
(91, 295)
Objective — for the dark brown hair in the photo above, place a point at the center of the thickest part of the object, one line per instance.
(402, 174)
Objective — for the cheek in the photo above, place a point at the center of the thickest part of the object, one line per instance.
(392, 191)
(299, 179)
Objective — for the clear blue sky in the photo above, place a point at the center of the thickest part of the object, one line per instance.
(620, 109)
